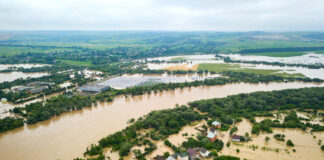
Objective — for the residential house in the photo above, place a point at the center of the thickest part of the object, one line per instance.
(204, 153)
(159, 158)
(183, 156)
(216, 124)
(236, 138)
(212, 134)
(193, 153)
(173, 157)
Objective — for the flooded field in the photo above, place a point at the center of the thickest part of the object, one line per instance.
(6, 66)
(11, 76)
(60, 138)
(193, 63)
(310, 58)
(305, 145)
(185, 57)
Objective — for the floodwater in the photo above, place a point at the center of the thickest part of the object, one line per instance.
(310, 58)
(68, 135)
(5, 107)
(186, 57)
(193, 60)
(305, 144)
(11, 76)
(310, 73)
(6, 66)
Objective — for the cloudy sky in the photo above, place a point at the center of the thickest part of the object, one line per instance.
(215, 15)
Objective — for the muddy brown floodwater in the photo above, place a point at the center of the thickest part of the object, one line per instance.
(305, 145)
(68, 135)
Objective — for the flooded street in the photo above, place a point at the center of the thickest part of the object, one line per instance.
(68, 135)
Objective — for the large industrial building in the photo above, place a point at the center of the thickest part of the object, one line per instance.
(96, 88)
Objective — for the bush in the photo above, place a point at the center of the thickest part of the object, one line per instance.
(290, 143)
(267, 139)
(228, 144)
(227, 158)
(279, 137)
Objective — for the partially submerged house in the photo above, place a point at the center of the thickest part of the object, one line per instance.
(174, 156)
(212, 134)
(204, 153)
(183, 156)
(193, 153)
(216, 124)
(236, 138)
(159, 158)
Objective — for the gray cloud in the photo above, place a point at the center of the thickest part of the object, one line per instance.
(220, 15)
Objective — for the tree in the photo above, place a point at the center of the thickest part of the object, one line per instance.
(125, 148)
(290, 143)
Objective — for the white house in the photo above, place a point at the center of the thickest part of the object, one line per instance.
(216, 124)
(212, 136)
(204, 153)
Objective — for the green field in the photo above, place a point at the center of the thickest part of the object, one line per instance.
(177, 59)
(9, 50)
(78, 63)
(214, 67)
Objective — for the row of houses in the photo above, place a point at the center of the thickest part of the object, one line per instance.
(196, 153)
(191, 154)
(212, 134)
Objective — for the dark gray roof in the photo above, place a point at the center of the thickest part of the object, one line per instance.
(183, 154)
(236, 136)
(203, 150)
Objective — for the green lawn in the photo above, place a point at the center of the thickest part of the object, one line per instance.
(237, 68)
(10, 51)
(78, 63)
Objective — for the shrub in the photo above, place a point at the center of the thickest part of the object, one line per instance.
(290, 143)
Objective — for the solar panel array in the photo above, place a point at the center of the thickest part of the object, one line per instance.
(128, 81)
